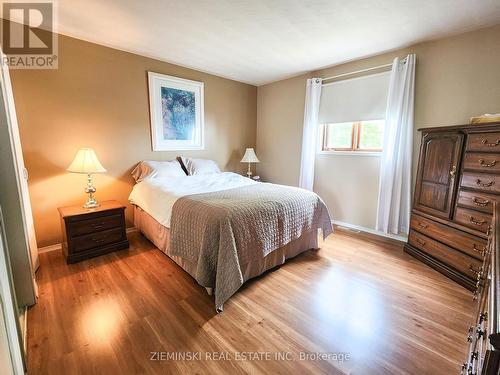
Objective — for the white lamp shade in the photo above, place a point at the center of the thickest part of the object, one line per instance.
(86, 161)
(250, 156)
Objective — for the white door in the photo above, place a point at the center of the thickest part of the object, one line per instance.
(6, 365)
(21, 171)
(11, 352)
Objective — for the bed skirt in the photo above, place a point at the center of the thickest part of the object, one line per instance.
(159, 235)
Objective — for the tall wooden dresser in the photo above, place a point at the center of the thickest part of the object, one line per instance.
(483, 351)
(458, 179)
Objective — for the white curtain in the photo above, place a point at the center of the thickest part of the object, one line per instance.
(394, 201)
(310, 133)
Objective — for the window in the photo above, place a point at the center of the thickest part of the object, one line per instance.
(353, 136)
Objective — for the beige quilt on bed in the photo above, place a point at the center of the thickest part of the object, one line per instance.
(219, 231)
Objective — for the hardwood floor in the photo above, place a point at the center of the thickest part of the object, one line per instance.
(357, 295)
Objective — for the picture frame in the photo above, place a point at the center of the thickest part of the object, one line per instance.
(176, 112)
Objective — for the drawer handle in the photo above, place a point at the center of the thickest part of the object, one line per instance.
(453, 171)
(483, 317)
(423, 225)
(470, 331)
(479, 332)
(485, 184)
(487, 165)
(479, 287)
(477, 222)
(97, 225)
(480, 202)
(98, 240)
(480, 251)
(477, 293)
(485, 142)
(475, 296)
(421, 242)
(467, 368)
(478, 273)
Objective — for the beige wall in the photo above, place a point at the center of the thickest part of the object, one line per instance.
(99, 98)
(456, 78)
(280, 113)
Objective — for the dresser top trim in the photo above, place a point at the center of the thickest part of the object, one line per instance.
(465, 128)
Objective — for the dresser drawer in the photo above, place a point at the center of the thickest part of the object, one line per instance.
(98, 239)
(489, 142)
(82, 227)
(482, 162)
(473, 219)
(476, 201)
(481, 182)
(453, 258)
(465, 242)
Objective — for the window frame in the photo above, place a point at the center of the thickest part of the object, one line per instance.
(355, 140)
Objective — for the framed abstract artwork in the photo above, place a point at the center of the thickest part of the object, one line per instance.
(177, 115)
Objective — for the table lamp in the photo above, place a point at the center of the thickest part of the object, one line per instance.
(250, 158)
(86, 162)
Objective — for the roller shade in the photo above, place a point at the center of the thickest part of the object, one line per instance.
(356, 99)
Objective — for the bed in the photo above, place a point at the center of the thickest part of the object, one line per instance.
(224, 229)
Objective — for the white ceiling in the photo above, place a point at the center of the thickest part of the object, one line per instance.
(259, 41)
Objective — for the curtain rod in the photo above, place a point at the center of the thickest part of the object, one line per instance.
(357, 72)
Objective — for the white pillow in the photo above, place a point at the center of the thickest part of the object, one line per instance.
(157, 169)
(200, 166)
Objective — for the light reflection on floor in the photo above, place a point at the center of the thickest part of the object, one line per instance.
(101, 321)
(351, 311)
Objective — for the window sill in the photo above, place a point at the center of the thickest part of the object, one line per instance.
(350, 153)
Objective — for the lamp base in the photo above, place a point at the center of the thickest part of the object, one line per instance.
(90, 190)
(249, 171)
(91, 203)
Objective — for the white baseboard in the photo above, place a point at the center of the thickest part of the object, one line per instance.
(371, 231)
(46, 249)
(23, 320)
(335, 222)
(58, 246)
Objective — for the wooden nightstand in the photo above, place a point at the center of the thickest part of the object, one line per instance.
(88, 232)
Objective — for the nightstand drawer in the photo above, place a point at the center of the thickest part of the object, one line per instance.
(91, 232)
(97, 239)
(82, 227)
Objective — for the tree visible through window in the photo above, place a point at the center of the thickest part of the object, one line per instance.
(354, 136)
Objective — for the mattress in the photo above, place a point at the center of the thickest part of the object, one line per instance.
(157, 196)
